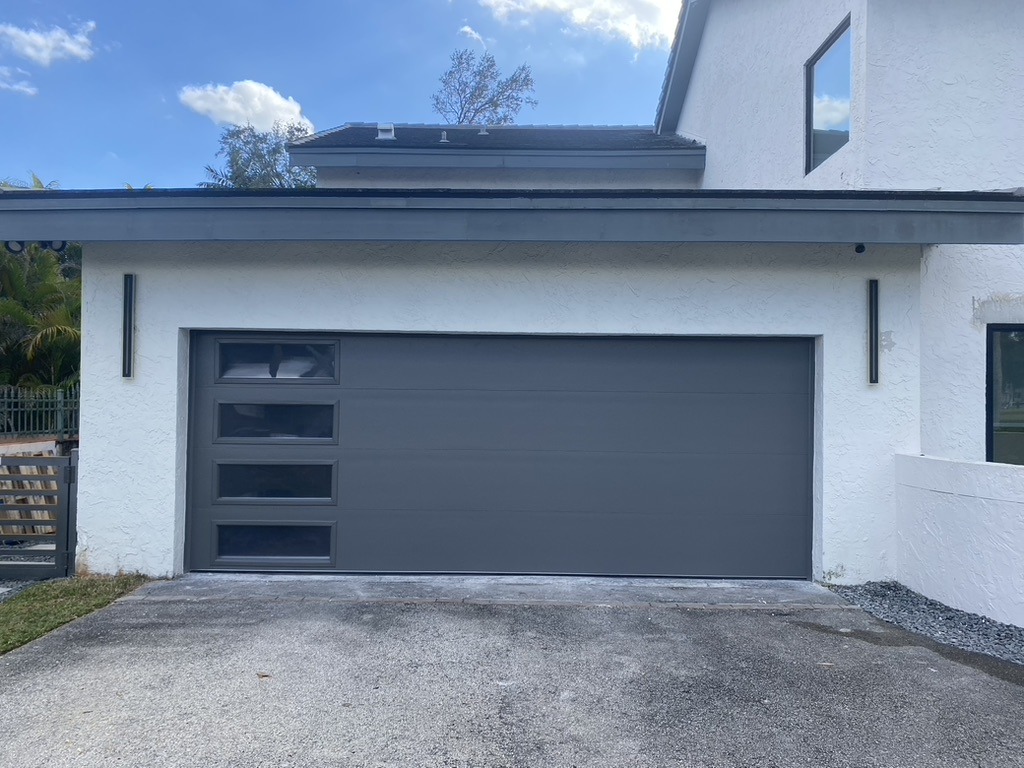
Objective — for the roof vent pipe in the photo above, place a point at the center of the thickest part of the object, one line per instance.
(385, 131)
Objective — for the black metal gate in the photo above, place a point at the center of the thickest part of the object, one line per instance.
(37, 516)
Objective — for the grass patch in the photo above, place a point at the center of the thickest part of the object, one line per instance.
(44, 607)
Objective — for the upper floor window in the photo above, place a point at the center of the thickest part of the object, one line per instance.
(828, 75)
(1006, 394)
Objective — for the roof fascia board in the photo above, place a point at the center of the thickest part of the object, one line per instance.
(523, 218)
(681, 63)
(682, 159)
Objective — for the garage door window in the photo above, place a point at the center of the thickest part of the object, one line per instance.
(252, 541)
(1006, 394)
(275, 481)
(259, 360)
(272, 421)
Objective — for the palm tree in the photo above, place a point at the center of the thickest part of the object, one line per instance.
(36, 183)
(40, 320)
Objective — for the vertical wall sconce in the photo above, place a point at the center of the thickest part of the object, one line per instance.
(128, 328)
(872, 331)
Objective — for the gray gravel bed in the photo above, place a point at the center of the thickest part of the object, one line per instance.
(896, 604)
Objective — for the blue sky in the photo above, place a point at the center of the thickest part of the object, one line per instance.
(100, 93)
(832, 86)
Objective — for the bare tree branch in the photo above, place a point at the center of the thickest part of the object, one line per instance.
(473, 92)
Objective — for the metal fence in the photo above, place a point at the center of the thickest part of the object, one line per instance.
(37, 516)
(38, 413)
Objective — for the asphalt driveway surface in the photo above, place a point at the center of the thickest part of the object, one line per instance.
(262, 671)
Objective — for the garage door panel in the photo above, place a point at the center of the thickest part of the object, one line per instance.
(512, 482)
(574, 364)
(502, 454)
(614, 543)
(577, 421)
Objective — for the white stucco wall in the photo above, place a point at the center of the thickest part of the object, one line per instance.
(942, 99)
(931, 94)
(132, 480)
(963, 289)
(961, 534)
(746, 99)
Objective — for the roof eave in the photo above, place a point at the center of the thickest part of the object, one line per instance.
(517, 216)
(680, 65)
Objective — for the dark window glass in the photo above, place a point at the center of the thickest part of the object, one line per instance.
(1006, 395)
(274, 420)
(264, 360)
(829, 77)
(273, 541)
(274, 481)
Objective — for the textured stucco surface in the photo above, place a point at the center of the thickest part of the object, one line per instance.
(962, 534)
(132, 486)
(746, 95)
(929, 85)
(963, 289)
(938, 79)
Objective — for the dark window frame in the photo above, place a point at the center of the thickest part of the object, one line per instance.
(990, 347)
(824, 48)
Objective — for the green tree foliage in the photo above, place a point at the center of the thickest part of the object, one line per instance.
(473, 91)
(36, 184)
(258, 159)
(40, 319)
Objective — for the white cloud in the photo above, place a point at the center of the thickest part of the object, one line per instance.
(13, 80)
(643, 23)
(47, 47)
(472, 34)
(831, 113)
(241, 103)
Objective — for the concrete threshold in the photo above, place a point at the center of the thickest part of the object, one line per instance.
(699, 594)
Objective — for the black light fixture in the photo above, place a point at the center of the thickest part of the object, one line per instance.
(128, 328)
(872, 331)
(17, 246)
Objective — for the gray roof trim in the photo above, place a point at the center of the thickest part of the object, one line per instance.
(552, 138)
(682, 159)
(680, 65)
(693, 217)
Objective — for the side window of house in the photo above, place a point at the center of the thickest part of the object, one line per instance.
(1006, 393)
(828, 74)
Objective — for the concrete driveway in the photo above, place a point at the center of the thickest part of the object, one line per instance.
(459, 672)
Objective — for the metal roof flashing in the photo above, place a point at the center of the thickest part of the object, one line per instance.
(694, 216)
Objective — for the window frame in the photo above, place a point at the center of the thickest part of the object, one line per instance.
(824, 48)
(990, 347)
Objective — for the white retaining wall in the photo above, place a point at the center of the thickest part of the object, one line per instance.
(961, 534)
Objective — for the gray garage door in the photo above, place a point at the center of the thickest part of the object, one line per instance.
(501, 454)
